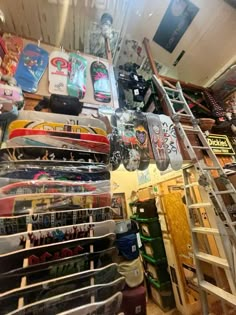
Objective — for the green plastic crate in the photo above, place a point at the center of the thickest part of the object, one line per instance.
(158, 271)
(162, 295)
(149, 227)
(154, 247)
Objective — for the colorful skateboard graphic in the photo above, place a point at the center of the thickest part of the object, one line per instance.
(15, 242)
(50, 126)
(108, 307)
(13, 46)
(55, 268)
(143, 143)
(39, 203)
(171, 141)
(115, 145)
(32, 64)
(101, 83)
(58, 72)
(18, 224)
(130, 154)
(21, 132)
(70, 300)
(45, 172)
(48, 186)
(55, 251)
(53, 154)
(158, 143)
(46, 289)
(59, 142)
(76, 83)
(13, 93)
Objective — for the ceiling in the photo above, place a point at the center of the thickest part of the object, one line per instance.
(209, 42)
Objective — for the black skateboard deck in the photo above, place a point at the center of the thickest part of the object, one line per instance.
(101, 83)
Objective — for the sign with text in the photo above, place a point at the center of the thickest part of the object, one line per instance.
(220, 144)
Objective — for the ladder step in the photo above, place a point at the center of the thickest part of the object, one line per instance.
(192, 185)
(200, 205)
(184, 115)
(170, 89)
(210, 168)
(177, 101)
(225, 192)
(221, 262)
(190, 128)
(220, 293)
(200, 147)
(204, 230)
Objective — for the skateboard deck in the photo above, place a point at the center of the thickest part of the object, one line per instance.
(55, 268)
(44, 171)
(101, 82)
(143, 143)
(171, 141)
(48, 186)
(12, 93)
(115, 145)
(110, 306)
(70, 300)
(58, 134)
(32, 64)
(58, 72)
(17, 224)
(59, 118)
(46, 289)
(15, 242)
(76, 83)
(159, 148)
(130, 154)
(58, 142)
(13, 46)
(39, 203)
(49, 252)
(49, 153)
(51, 126)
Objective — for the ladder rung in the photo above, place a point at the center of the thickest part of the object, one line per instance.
(221, 262)
(209, 168)
(177, 101)
(225, 192)
(184, 115)
(170, 89)
(192, 185)
(200, 147)
(200, 205)
(205, 230)
(190, 128)
(220, 293)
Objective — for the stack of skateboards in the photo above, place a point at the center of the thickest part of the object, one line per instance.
(56, 228)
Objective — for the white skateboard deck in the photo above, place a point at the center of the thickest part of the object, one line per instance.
(58, 72)
(171, 141)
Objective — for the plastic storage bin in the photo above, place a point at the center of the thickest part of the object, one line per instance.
(158, 271)
(154, 247)
(149, 227)
(162, 295)
(147, 209)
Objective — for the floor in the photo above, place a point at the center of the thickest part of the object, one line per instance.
(153, 309)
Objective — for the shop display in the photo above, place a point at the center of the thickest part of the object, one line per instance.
(101, 83)
(171, 142)
(76, 82)
(76, 298)
(58, 66)
(32, 65)
(158, 142)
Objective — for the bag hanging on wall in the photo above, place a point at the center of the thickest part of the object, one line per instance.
(128, 246)
(132, 271)
(61, 104)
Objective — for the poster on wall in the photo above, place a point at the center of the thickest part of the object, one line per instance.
(144, 177)
(174, 24)
(118, 205)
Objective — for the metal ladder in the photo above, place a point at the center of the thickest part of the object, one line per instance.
(225, 227)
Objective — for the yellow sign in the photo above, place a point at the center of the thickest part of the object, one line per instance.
(220, 144)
